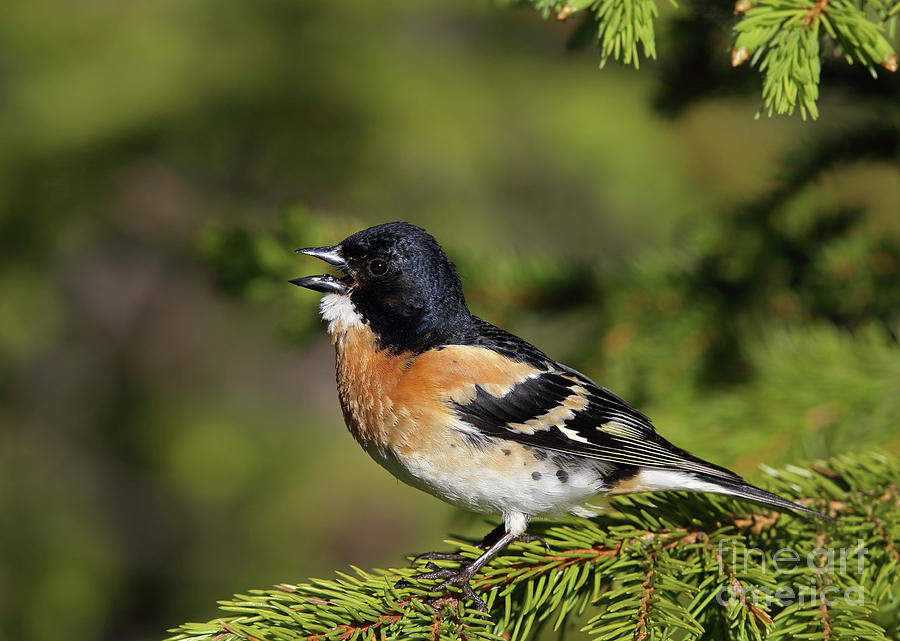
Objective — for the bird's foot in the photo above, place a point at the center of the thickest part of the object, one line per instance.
(461, 578)
(492, 544)
(531, 538)
(484, 544)
(438, 556)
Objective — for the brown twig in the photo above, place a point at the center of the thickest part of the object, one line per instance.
(757, 523)
(670, 538)
(349, 630)
(235, 632)
(759, 614)
(823, 579)
(384, 619)
(815, 12)
(879, 524)
(642, 628)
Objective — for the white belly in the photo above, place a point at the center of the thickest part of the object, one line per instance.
(497, 476)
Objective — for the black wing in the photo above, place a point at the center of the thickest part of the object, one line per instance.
(561, 409)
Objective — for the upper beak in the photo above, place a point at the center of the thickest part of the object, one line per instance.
(325, 283)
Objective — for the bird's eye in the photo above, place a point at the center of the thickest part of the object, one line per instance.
(378, 267)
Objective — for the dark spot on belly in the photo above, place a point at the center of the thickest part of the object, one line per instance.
(562, 475)
(506, 452)
(536, 476)
(539, 454)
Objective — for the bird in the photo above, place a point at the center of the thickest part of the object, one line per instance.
(455, 406)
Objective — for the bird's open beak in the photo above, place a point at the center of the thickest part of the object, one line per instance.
(326, 283)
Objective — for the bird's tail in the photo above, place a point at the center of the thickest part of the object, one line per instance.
(718, 481)
(741, 489)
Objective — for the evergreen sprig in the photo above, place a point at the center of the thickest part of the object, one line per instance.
(779, 37)
(663, 566)
(783, 38)
(625, 28)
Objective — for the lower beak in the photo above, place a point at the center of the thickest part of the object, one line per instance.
(324, 283)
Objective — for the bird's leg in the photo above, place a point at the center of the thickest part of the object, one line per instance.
(463, 576)
(494, 535)
(492, 544)
(490, 538)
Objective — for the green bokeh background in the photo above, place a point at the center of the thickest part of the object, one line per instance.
(169, 429)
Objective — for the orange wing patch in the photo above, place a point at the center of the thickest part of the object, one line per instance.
(400, 401)
(450, 374)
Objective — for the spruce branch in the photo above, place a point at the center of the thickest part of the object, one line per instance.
(783, 38)
(625, 28)
(674, 566)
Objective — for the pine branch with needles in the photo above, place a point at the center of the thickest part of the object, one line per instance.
(663, 566)
(784, 39)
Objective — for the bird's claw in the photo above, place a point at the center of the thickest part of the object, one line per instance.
(434, 572)
(532, 538)
(438, 556)
(460, 578)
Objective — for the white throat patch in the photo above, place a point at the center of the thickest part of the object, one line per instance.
(340, 313)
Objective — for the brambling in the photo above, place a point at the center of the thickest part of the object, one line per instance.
(474, 415)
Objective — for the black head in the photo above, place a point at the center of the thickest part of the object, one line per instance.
(400, 282)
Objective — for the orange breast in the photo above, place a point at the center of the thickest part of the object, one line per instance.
(403, 402)
(366, 379)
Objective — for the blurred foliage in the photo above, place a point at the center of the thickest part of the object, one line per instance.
(169, 431)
